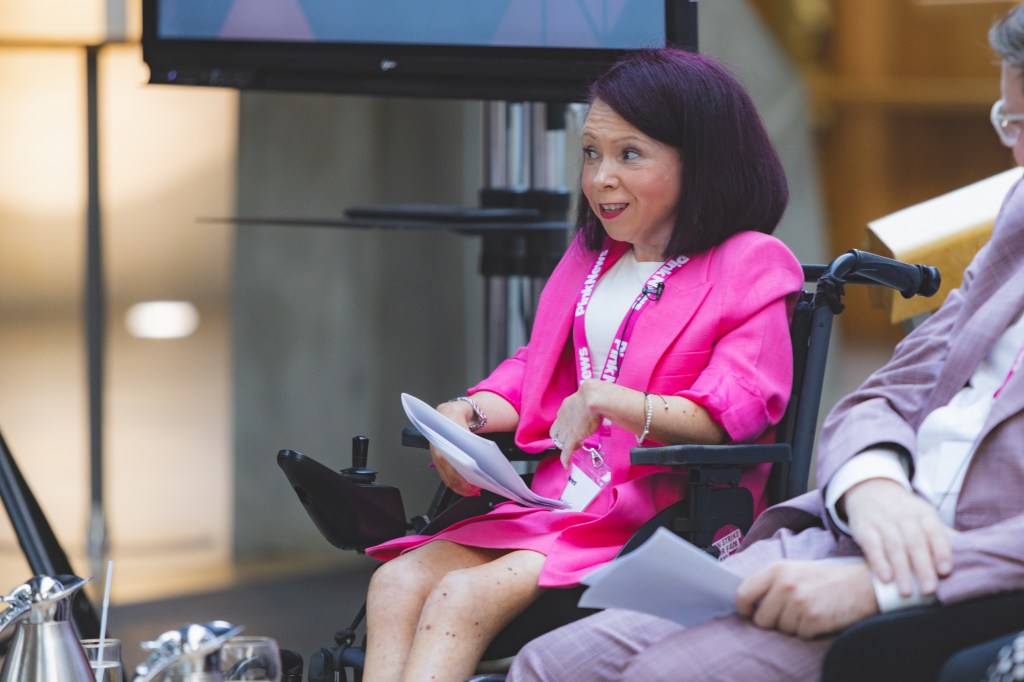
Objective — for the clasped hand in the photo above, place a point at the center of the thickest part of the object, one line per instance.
(807, 598)
(903, 539)
(901, 535)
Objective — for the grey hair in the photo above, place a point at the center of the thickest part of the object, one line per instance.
(1007, 37)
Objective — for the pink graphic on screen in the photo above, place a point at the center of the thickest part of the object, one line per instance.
(539, 22)
(266, 20)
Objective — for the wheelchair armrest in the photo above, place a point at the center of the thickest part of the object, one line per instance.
(711, 456)
(349, 514)
(411, 437)
(913, 644)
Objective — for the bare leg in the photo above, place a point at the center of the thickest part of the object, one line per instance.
(396, 596)
(466, 610)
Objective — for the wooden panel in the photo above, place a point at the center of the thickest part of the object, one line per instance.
(900, 90)
(946, 39)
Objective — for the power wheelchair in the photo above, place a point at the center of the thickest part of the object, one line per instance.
(352, 511)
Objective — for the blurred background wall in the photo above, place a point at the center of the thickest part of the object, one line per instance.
(306, 335)
(899, 92)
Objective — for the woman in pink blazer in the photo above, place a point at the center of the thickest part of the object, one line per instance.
(667, 321)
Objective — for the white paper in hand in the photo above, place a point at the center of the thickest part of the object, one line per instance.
(667, 577)
(477, 459)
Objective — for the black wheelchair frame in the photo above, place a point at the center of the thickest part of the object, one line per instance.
(352, 511)
(916, 645)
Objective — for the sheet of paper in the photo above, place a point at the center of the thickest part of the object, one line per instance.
(474, 474)
(477, 459)
(667, 577)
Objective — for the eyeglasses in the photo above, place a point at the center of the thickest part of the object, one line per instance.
(1008, 126)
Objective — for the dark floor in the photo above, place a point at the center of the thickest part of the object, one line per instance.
(301, 612)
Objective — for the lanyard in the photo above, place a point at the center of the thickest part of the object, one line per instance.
(651, 291)
(1017, 362)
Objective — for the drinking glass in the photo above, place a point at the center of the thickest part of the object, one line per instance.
(104, 658)
(251, 658)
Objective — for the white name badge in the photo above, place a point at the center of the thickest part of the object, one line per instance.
(580, 489)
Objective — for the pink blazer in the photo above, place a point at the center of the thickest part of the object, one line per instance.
(719, 335)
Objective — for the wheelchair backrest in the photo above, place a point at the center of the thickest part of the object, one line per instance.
(790, 478)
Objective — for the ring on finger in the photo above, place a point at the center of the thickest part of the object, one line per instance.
(558, 444)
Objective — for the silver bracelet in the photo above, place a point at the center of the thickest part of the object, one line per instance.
(481, 418)
(649, 409)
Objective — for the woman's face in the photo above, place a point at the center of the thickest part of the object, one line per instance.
(631, 181)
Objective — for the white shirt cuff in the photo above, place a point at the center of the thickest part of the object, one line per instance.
(871, 463)
(889, 598)
(887, 594)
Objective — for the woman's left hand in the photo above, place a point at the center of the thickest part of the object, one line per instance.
(577, 419)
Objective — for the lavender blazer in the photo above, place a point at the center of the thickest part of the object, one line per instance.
(928, 367)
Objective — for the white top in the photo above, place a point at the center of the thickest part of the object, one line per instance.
(612, 297)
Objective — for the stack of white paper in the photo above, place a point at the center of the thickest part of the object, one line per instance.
(667, 577)
(477, 459)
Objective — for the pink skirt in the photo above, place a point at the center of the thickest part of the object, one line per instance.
(575, 543)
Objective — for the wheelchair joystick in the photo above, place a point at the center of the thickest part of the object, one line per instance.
(359, 472)
(360, 451)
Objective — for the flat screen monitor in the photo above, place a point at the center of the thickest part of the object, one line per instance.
(514, 50)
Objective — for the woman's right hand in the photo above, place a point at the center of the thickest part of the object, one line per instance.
(461, 413)
(577, 419)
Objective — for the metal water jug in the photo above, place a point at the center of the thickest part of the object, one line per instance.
(45, 647)
(188, 654)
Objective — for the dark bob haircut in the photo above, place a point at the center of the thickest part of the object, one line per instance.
(732, 177)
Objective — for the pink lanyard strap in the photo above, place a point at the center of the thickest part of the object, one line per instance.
(1018, 360)
(651, 291)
